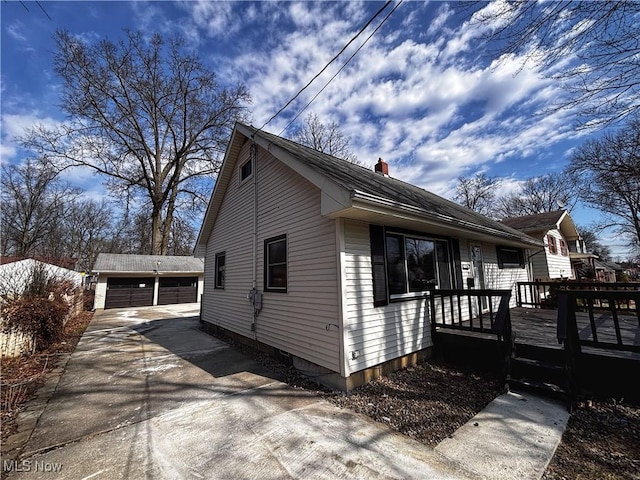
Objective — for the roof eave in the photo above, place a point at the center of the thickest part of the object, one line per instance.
(450, 222)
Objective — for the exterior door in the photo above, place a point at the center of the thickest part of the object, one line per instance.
(477, 266)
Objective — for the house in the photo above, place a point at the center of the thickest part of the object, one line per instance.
(564, 255)
(17, 272)
(144, 280)
(331, 264)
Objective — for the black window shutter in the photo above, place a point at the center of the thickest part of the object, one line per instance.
(380, 297)
(457, 264)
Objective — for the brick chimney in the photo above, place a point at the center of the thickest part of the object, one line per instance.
(382, 167)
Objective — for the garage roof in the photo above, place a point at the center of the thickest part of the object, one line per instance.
(125, 263)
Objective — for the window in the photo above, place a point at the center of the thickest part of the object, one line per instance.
(275, 264)
(551, 241)
(416, 264)
(509, 257)
(563, 248)
(246, 170)
(220, 270)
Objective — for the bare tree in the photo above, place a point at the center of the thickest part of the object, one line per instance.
(477, 193)
(87, 231)
(591, 47)
(546, 193)
(145, 114)
(34, 202)
(610, 171)
(593, 245)
(325, 138)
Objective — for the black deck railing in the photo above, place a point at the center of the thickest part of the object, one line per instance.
(605, 318)
(583, 322)
(483, 311)
(479, 311)
(545, 294)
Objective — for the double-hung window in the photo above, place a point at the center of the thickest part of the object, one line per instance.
(416, 264)
(275, 264)
(220, 270)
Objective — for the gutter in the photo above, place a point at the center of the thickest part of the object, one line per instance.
(453, 223)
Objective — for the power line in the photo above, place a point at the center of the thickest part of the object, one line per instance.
(341, 68)
(39, 5)
(327, 65)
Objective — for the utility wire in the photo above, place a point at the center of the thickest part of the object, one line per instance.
(43, 10)
(341, 68)
(327, 65)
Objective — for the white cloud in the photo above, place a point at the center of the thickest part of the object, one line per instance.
(16, 31)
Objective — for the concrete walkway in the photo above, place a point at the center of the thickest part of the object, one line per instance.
(147, 394)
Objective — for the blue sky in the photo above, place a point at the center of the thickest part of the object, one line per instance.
(425, 94)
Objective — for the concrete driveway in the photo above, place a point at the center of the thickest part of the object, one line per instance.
(147, 394)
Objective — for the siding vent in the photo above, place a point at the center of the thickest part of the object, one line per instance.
(382, 167)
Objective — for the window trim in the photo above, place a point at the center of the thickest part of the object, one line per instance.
(241, 168)
(564, 250)
(502, 264)
(216, 284)
(411, 295)
(551, 243)
(268, 242)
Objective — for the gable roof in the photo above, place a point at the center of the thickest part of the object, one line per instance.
(125, 263)
(543, 222)
(347, 187)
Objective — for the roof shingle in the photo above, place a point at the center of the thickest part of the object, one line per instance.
(356, 178)
(125, 263)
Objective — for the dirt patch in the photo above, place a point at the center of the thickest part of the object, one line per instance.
(602, 440)
(23, 376)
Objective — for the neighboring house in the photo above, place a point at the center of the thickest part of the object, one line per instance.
(15, 275)
(564, 255)
(605, 271)
(331, 263)
(145, 280)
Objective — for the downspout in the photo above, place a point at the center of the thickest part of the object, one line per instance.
(254, 282)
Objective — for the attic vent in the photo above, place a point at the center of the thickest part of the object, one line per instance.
(382, 167)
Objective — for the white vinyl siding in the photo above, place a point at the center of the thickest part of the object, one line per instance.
(558, 265)
(232, 234)
(303, 321)
(375, 334)
(497, 278)
(547, 265)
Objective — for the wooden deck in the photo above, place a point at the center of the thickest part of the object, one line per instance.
(537, 327)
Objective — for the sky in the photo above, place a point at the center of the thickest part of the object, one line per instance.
(424, 93)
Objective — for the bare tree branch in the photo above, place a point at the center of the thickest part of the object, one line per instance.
(592, 47)
(144, 114)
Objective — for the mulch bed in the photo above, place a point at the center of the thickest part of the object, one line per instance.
(23, 376)
(602, 441)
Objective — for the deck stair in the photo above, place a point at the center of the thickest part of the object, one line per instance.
(538, 369)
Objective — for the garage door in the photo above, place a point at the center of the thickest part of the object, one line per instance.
(177, 290)
(129, 292)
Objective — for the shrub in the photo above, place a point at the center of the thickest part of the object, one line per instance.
(43, 318)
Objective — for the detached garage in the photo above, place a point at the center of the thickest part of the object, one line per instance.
(145, 280)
